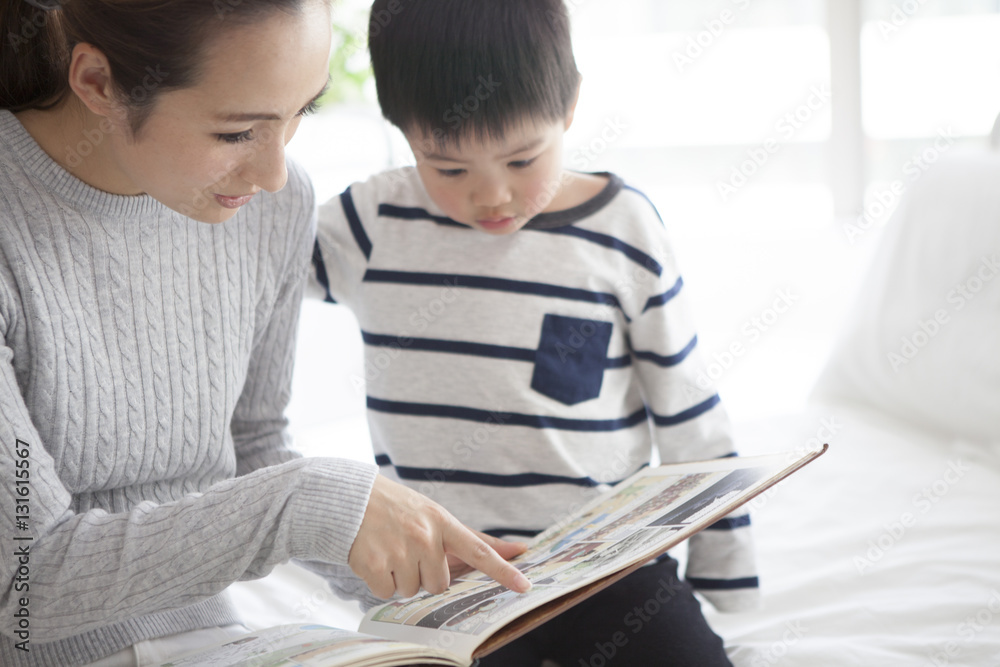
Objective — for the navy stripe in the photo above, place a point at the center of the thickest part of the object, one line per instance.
(463, 347)
(491, 479)
(451, 346)
(723, 584)
(506, 418)
(488, 283)
(354, 221)
(650, 201)
(670, 359)
(633, 253)
(686, 415)
(413, 213)
(321, 274)
(618, 362)
(660, 299)
(500, 532)
(730, 523)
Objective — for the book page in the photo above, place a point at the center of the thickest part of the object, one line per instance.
(639, 519)
(312, 646)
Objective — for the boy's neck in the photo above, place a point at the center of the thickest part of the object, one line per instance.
(578, 188)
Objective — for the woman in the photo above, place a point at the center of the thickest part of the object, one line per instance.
(145, 357)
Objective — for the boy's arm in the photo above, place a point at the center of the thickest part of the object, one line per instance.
(689, 421)
(343, 241)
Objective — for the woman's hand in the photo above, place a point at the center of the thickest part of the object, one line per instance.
(407, 542)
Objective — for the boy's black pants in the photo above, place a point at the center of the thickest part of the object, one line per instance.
(648, 619)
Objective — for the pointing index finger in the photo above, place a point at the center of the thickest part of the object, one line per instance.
(463, 544)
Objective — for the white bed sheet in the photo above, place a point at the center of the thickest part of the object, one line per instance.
(885, 551)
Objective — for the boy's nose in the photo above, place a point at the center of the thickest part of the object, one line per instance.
(491, 192)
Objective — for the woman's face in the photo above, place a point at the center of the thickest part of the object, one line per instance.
(206, 150)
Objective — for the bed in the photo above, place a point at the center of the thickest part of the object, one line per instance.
(886, 551)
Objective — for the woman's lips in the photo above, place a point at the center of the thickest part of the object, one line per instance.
(233, 202)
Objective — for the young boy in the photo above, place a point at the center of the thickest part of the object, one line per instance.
(526, 329)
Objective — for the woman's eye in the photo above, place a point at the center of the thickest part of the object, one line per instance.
(310, 109)
(236, 137)
(451, 173)
(522, 164)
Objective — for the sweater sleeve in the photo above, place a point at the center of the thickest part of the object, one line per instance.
(689, 422)
(78, 570)
(259, 425)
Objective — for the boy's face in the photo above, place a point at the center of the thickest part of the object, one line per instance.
(494, 185)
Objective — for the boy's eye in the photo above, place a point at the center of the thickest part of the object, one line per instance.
(522, 164)
(236, 137)
(451, 173)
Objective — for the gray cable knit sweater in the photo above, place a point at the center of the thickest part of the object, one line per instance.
(145, 363)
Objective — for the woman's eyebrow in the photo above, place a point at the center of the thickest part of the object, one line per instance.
(245, 117)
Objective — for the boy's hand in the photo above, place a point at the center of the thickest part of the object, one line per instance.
(407, 542)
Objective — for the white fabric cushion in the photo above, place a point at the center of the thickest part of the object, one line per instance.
(923, 342)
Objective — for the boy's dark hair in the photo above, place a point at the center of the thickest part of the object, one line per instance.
(455, 69)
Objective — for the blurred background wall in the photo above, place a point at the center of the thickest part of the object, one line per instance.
(775, 137)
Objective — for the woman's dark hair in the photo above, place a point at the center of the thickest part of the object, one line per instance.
(151, 45)
(471, 68)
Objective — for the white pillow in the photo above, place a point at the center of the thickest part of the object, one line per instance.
(923, 341)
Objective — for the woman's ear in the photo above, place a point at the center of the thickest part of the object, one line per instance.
(90, 78)
(572, 107)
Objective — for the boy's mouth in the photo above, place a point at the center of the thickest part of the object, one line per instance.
(496, 224)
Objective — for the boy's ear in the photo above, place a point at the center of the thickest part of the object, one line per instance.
(90, 78)
(572, 107)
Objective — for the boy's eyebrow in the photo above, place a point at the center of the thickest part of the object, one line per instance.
(245, 117)
(527, 147)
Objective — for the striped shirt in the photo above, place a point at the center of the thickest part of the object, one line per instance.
(514, 378)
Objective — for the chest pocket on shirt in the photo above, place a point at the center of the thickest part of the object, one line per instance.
(571, 357)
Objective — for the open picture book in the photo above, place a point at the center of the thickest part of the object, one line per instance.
(618, 532)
